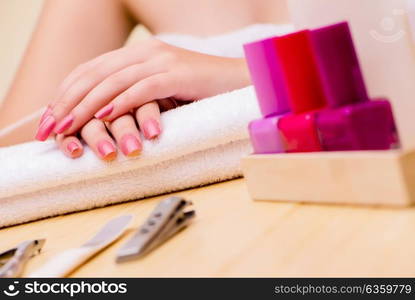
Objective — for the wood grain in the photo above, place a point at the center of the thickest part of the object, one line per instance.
(235, 236)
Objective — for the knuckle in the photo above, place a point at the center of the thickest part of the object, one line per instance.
(62, 106)
(155, 43)
(152, 84)
(93, 73)
(169, 58)
(115, 81)
(158, 46)
(129, 97)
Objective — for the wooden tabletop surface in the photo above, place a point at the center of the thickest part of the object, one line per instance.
(235, 236)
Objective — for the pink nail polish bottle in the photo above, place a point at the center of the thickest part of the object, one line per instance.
(266, 75)
(265, 136)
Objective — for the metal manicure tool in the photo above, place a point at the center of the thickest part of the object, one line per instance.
(169, 217)
(13, 261)
(65, 262)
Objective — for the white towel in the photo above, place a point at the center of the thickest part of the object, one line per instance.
(201, 143)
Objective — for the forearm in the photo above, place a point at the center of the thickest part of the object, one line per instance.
(68, 33)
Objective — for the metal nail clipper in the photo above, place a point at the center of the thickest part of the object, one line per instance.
(13, 261)
(169, 217)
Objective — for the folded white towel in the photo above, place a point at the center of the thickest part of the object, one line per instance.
(201, 143)
(37, 181)
(200, 168)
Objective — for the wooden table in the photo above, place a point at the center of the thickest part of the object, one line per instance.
(235, 236)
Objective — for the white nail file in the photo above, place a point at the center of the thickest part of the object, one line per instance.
(64, 263)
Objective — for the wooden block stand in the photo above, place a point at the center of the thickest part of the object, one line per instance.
(360, 177)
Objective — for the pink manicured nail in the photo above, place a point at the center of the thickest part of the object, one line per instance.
(47, 112)
(45, 128)
(106, 149)
(64, 124)
(105, 111)
(130, 145)
(151, 129)
(73, 147)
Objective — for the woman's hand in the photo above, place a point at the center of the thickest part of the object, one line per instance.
(113, 84)
(124, 132)
(123, 129)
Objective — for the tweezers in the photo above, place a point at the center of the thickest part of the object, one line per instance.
(13, 261)
(169, 217)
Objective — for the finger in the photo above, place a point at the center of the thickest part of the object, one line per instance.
(125, 55)
(80, 70)
(67, 82)
(103, 93)
(88, 79)
(82, 81)
(158, 86)
(96, 136)
(126, 134)
(148, 118)
(71, 146)
(72, 77)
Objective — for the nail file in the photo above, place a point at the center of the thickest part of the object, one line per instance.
(64, 263)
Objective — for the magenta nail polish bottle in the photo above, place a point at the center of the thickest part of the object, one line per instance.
(351, 121)
(363, 126)
(338, 65)
(267, 78)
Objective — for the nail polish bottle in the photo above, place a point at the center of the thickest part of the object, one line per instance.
(350, 121)
(299, 132)
(265, 136)
(364, 126)
(265, 71)
(338, 65)
(266, 75)
(353, 122)
(290, 60)
(299, 71)
(305, 92)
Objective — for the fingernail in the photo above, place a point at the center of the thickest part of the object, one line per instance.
(64, 124)
(105, 111)
(106, 150)
(130, 145)
(47, 112)
(73, 148)
(151, 129)
(45, 128)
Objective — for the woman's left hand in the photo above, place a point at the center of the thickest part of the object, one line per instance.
(115, 83)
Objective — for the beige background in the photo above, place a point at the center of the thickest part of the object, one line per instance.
(17, 20)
